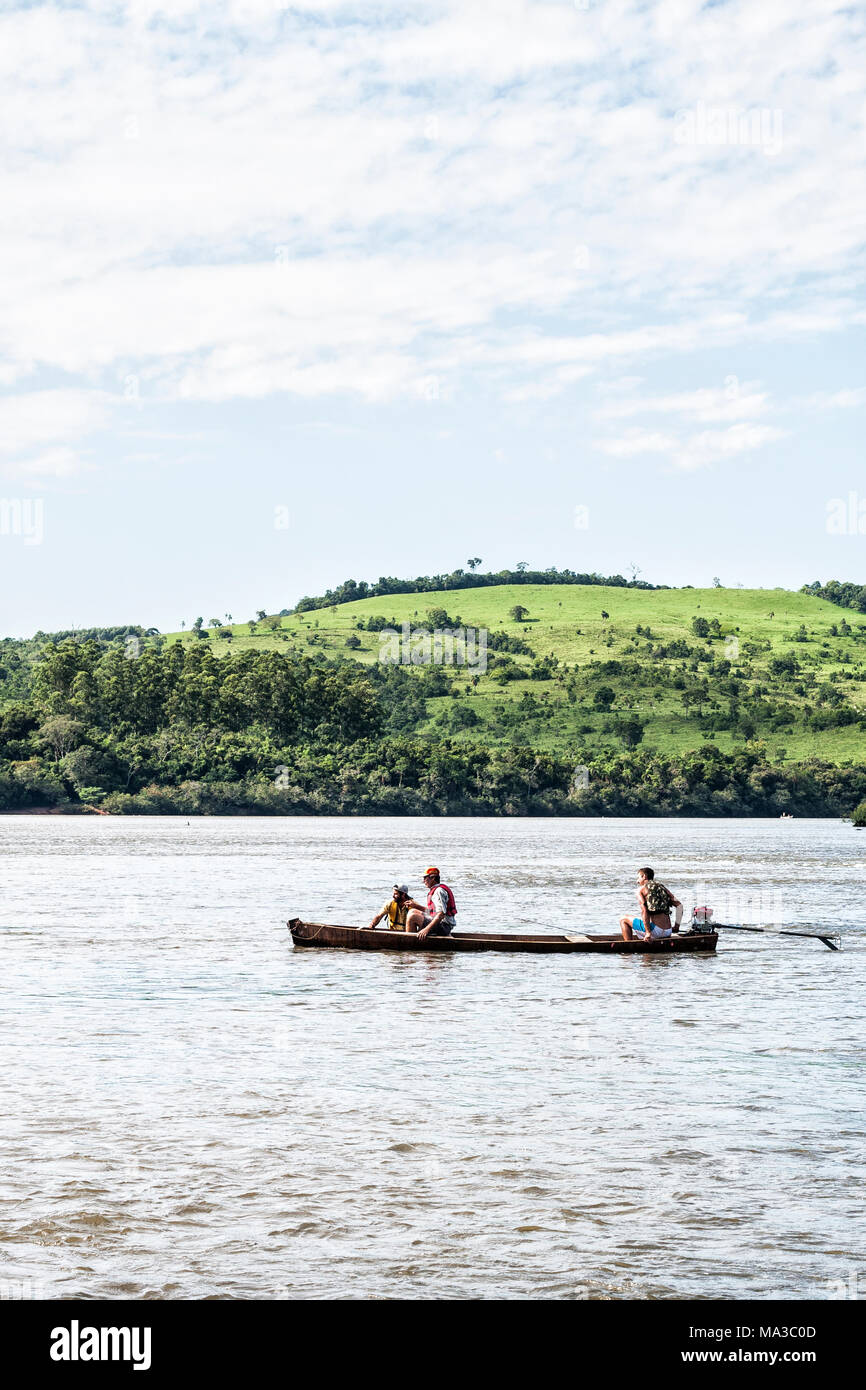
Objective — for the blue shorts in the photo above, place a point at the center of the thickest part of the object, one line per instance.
(655, 932)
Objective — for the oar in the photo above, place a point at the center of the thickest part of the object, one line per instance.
(832, 940)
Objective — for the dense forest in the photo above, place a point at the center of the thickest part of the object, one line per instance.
(129, 723)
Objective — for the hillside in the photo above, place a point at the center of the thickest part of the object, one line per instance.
(787, 668)
(592, 700)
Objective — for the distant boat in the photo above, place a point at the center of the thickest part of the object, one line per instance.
(369, 939)
(786, 815)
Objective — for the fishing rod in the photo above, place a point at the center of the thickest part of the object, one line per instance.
(832, 940)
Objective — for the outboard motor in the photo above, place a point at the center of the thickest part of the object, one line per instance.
(702, 920)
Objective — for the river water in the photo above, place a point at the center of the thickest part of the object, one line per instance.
(193, 1109)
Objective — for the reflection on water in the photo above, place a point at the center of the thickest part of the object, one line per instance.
(193, 1109)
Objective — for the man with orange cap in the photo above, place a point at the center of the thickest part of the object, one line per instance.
(439, 918)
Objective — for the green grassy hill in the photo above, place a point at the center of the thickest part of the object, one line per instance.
(784, 668)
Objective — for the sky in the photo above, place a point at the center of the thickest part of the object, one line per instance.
(297, 293)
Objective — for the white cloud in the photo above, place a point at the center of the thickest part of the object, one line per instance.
(636, 442)
(713, 446)
(734, 401)
(59, 462)
(40, 432)
(39, 417)
(850, 399)
(692, 451)
(230, 201)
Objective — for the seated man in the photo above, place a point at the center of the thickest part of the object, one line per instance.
(655, 902)
(439, 918)
(397, 909)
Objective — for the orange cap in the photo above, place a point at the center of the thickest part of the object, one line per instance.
(428, 872)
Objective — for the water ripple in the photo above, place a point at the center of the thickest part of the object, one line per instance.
(193, 1110)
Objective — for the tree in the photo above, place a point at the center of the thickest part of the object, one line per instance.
(61, 734)
(260, 614)
(604, 697)
(91, 796)
(630, 730)
(474, 562)
(518, 612)
(213, 622)
(37, 785)
(458, 717)
(522, 567)
(700, 627)
(85, 767)
(695, 696)
(196, 627)
(786, 665)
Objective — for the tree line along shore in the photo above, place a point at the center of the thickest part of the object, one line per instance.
(592, 699)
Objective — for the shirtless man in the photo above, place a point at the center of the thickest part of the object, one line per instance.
(656, 923)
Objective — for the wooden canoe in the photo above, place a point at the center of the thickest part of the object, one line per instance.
(365, 939)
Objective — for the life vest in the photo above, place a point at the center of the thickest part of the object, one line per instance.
(397, 915)
(452, 906)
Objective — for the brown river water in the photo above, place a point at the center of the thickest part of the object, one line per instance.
(193, 1109)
